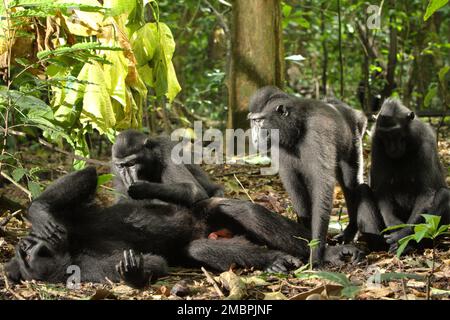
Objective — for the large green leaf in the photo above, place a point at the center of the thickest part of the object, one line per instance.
(154, 44)
(34, 110)
(115, 75)
(97, 107)
(22, 101)
(433, 6)
(403, 243)
(144, 43)
(118, 7)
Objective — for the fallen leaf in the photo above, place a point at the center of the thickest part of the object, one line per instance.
(415, 284)
(274, 296)
(122, 290)
(255, 281)
(316, 296)
(234, 284)
(327, 290)
(165, 291)
(376, 292)
(101, 294)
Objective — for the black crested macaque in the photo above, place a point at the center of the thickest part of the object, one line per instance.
(406, 177)
(134, 242)
(319, 143)
(144, 169)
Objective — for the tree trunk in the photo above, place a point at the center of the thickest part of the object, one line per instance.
(256, 54)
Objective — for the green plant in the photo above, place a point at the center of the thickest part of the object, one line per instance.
(312, 244)
(428, 230)
(91, 74)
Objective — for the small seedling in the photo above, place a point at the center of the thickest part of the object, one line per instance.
(428, 230)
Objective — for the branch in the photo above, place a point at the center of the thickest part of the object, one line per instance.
(220, 17)
(213, 283)
(91, 161)
(4, 175)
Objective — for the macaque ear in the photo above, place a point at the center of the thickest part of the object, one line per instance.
(411, 115)
(281, 109)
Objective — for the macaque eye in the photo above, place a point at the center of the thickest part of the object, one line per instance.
(119, 165)
(282, 110)
(130, 163)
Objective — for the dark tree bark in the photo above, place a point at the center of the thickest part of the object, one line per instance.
(392, 61)
(324, 50)
(256, 54)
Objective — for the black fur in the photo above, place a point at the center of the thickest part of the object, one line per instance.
(145, 162)
(105, 242)
(406, 177)
(319, 143)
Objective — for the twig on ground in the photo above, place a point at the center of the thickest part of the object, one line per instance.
(243, 188)
(213, 283)
(237, 172)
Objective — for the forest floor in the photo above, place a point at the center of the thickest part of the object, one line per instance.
(380, 276)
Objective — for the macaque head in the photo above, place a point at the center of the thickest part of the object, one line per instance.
(392, 128)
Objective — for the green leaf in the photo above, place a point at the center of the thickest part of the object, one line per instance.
(17, 174)
(420, 231)
(444, 70)
(104, 178)
(79, 144)
(76, 49)
(433, 221)
(97, 107)
(21, 100)
(23, 62)
(118, 7)
(388, 276)
(173, 86)
(146, 74)
(350, 291)
(399, 226)
(433, 6)
(287, 9)
(115, 75)
(442, 229)
(144, 43)
(403, 243)
(34, 188)
(432, 92)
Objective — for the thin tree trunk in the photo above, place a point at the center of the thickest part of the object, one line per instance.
(392, 61)
(256, 54)
(324, 50)
(341, 60)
